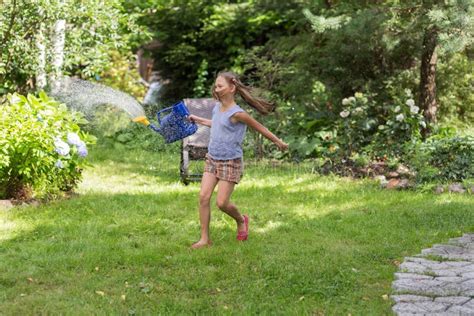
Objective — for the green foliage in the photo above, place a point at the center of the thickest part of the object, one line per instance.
(35, 157)
(305, 56)
(94, 30)
(357, 124)
(214, 31)
(120, 73)
(443, 159)
(456, 97)
(401, 123)
(200, 86)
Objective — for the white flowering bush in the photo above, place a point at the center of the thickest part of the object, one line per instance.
(380, 130)
(403, 123)
(357, 123)
(42, 148)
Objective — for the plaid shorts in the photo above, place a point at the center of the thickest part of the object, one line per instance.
(227, 170)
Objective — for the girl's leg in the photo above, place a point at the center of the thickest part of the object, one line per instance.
(224, 191)
(208, 183)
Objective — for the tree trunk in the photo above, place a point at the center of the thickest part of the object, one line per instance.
(41, 46)
(428, 77)
(59, 36)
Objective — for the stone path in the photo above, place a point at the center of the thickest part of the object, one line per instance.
(440, 281)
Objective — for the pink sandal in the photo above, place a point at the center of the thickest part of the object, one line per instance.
(245, 234)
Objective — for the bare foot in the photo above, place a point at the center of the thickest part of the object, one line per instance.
(201, 244)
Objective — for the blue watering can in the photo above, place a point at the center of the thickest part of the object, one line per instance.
(173, 126)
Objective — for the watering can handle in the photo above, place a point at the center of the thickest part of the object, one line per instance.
(158, 114)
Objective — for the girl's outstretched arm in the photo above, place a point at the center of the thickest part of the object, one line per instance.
(200, 120)
(254, 124)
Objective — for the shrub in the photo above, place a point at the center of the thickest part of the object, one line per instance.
(443, 159)
(357, 123)
(41, 146)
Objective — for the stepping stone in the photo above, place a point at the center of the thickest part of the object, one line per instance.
(424, 286)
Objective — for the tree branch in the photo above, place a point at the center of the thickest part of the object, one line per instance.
(10, 27)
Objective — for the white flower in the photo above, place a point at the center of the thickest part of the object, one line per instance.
(46, 112)
(61, 147)
(397, 109)
(381, 127)
(400, 117)
(408, 92)
(410, 102)
(423, 124)
(15, 99)
(414, 109)
(344, 114)
(82, 150)
(358, 110)
(59, 164)
(352, 99)
(345, 101)
(73, 139)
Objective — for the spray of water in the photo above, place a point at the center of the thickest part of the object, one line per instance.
(85, 96)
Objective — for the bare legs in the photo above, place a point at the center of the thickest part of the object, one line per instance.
(224, 191)
(208, 183)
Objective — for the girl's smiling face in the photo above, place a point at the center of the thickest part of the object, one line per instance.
(223, 87)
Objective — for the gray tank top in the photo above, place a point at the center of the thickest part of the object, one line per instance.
(226, 137)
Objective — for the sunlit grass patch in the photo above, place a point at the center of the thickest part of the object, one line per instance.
(317, 244)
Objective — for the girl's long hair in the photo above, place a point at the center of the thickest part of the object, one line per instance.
(261, 105)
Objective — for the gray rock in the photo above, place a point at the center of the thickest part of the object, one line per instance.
(415, 276)
(452, 300)
(426, 287)
(456, 188)
(403, 184)
(404, 170)
(5, 205)
(408, 298)
(439, 189)
(393, 174)
(451, 252)
(468, 275)
(449, 279)
(420, 307)
(382, 180)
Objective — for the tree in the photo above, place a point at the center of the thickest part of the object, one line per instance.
(207, 36)
(433, 26)
(49, 37)
(446, 26)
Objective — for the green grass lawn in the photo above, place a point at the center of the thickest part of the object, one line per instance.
(317, 245)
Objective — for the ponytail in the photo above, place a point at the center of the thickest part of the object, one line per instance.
(261, 105)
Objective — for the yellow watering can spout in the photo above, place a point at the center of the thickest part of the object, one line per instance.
(141, 119)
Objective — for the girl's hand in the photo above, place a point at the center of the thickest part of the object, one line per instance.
(192, 118)
(282, 145)
(199, 120)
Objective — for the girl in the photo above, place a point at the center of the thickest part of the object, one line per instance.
(224, 164)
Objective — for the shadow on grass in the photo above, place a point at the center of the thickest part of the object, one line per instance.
(313, 244)
(317, 245)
